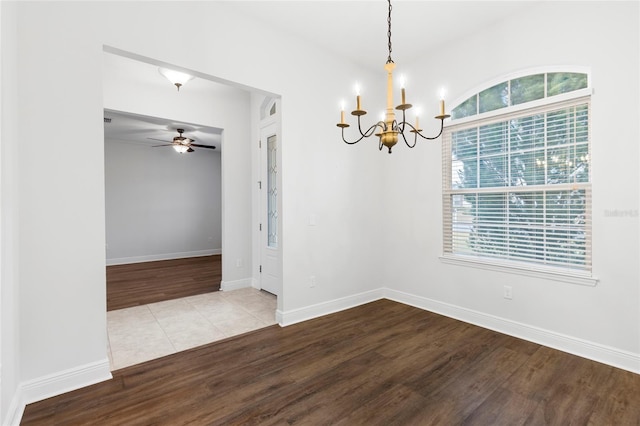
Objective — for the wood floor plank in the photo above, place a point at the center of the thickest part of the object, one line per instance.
(382, 363)
(138, 284)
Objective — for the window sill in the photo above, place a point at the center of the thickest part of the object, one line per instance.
(567, 276)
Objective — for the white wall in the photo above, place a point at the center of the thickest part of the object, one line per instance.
(9, 213)
(605, 38)
(61, 249)
(161, 204)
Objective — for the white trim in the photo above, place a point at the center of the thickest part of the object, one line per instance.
(164, 256)
(583, 348)
(15, 411)
(605, 354)
(255, 283)
(56, 384)
(279, 317)
(294, 316)
(236, 284)
(72, 379)
(535, 271)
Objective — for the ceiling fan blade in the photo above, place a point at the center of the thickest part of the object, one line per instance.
(167, 144)
(203, 146)
(190, 149)
(161, 140)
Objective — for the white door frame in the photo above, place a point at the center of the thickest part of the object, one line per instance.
(269, 258)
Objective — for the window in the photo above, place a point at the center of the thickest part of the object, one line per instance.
(516, 184)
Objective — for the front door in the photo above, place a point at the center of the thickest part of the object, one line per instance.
(270, 265)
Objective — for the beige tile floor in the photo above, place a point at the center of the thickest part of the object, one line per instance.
(151, 331)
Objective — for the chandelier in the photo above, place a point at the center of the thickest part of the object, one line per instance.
(388, 128)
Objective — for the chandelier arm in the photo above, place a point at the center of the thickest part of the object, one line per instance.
(404, 138)
(366, 134)
(426, 137)
(370, 131)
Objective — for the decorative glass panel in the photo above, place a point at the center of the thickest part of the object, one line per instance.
(519, 91)
(563, 82)
(526, 89)
(467, 108)
(493, 98)
(272, 192)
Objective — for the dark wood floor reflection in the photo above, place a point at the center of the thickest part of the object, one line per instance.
(382, 363)
(149, 282)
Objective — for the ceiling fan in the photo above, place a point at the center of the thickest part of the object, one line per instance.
(183, 144)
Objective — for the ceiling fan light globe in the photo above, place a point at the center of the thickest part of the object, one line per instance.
(181, 148)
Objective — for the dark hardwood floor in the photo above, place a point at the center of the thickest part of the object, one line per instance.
(149, 282)
(382, 363)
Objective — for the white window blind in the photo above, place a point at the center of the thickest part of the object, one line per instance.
(517, 188)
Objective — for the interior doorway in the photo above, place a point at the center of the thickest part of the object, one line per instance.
(133, 85)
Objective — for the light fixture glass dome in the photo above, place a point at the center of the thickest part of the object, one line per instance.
(175, 77)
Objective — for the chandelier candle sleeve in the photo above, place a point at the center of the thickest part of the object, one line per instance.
(442, 102)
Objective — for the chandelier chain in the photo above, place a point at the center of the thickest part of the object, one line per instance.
(389, 60)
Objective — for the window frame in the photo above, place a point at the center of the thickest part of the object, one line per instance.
(548, 103)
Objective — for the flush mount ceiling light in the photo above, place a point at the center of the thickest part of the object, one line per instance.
(176, 78)
(389, 129)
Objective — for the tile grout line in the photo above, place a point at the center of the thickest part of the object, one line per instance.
(208, 320)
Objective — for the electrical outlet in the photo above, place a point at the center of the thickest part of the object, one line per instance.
(312, 281)
(508, 292)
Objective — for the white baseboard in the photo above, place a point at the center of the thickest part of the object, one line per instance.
(607, 355)
(236, 284)
(163, 256)
(56, 384)
(286, 318)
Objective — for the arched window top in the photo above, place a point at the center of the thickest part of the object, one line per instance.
(520, 89)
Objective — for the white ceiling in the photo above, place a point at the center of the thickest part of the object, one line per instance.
(357, 30)
(354, 30)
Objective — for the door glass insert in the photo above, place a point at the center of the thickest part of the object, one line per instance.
(272, 194)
